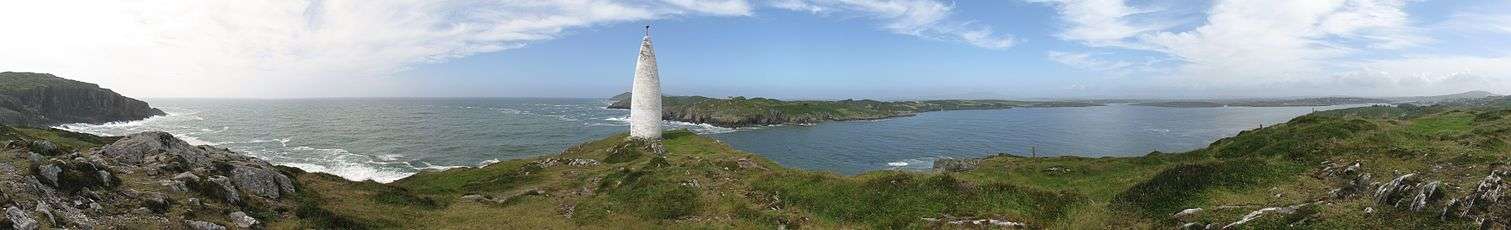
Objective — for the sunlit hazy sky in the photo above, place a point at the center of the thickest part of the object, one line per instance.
(783, 49)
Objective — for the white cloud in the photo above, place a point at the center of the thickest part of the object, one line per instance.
(1085, 61)
(253, 48)
(1255, 45)
(1419, 75)
(923, 18)
(717, 7)
(1099, 22)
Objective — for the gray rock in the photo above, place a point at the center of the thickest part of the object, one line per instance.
(1186, 213)
(1395, 192)
(201, 225)
(956, 165)
(226, 188)
(186, 177)
(242, 220)
(50, 173)
(1264, 211)
(140, 147)
(35, 158)
(261, 182)
(1193, 226)
(1353, 169)
(104, 177)
(173, 185)
(1428, 194)
(19, 219)
(1354, 186)
(582, 162)
(156, 202)
(46, 210)
(1486, 194)
(45, 147)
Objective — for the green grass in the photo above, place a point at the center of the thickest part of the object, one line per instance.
(21, 81)
(701, 183)
(1452, 123)
(898, 200)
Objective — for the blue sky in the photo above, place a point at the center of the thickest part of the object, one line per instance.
(885, 49)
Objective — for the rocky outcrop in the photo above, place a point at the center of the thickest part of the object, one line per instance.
(140, 180)
(955, 165)
(39, 99)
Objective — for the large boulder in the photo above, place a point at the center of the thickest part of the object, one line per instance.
(140, 147)
(224, 188)
(260, 181)
(242, 220)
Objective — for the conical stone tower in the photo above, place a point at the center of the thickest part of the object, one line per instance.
(645, 94)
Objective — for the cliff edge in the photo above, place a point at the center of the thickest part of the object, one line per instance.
(40, 99)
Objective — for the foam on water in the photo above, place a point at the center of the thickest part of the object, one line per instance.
(914, 164)
(353, 172)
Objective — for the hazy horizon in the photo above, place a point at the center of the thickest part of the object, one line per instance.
(788, 49)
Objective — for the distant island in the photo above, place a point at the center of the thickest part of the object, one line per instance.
(39, 99)
(745, 112)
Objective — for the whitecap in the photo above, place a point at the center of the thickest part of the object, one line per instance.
(921, 163)
(488, 162)
(431, 167)
(354, 172)
(389, 157)
(196, 141)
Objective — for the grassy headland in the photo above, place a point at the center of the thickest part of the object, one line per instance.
(743, 112)
(1371, 167)
(1296, 174)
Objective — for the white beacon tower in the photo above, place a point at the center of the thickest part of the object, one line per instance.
(645, 94)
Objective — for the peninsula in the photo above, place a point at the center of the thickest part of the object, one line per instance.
(745, 112)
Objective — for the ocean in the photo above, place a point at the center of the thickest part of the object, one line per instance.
(385, 139)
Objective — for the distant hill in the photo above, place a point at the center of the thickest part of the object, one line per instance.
(1445, 98)
(40, 99)
(1321, 101)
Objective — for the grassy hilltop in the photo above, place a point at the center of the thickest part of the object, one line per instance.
(1295, 174)
(743, 112)
(1328, 170)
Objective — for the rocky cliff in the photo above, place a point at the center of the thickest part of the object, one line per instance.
(39, 99)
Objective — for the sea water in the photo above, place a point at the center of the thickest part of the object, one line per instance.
(385, 139)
